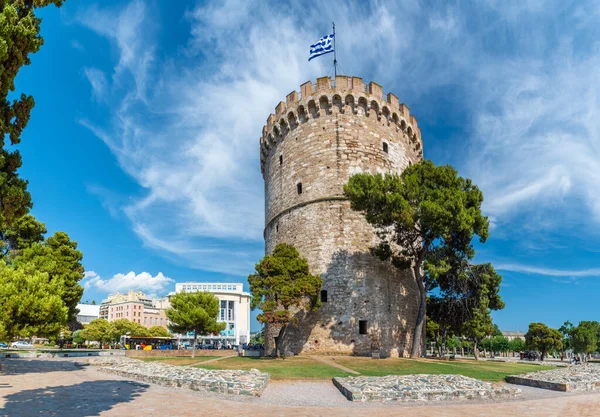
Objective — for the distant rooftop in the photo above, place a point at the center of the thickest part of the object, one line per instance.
(88, 310)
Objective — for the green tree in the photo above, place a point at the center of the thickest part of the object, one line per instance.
(25, 232)
(541, 337)
(97, 331)
(423, 209)
(77, 338)
(194, 312)
(30, 304)
(121, 327)
(282, 284)
(19, 37)
(464, 296)
(567, 332)
(59, 258)
(517, 345)
(159, 331)
(585, 337)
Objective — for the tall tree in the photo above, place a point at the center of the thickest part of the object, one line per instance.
(585, 337)
(19, 37)
(97, 331)
(282, 283)
(464, 296)
(541, 337)
(567, 332)
(59, 257)
(425, 208)
(30, 304)
(194, 312)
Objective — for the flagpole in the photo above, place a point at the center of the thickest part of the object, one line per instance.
(334, 52)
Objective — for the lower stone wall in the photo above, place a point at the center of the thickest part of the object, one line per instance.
(234, 382)
(571, 378)
(420, 388)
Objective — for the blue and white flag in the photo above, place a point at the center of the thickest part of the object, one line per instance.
(321, 47)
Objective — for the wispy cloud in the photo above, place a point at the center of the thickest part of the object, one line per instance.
(143, 281)
(521, 91)
(527, 269)
(97, 80)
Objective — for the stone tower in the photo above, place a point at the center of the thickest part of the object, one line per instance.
(309, 149)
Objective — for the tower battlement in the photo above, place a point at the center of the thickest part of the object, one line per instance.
(346, 94)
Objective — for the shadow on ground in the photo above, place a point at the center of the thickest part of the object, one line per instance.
(26, 366)
(88, 398)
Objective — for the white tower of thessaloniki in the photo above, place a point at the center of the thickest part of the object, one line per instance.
(309, 148)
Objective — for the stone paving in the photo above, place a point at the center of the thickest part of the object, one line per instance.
(235, 382)
(420, 387)
(572, 378)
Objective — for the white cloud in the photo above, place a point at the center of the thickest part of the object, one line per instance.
(528, 269)
(523, 90)
(97, 80)
(143, 281)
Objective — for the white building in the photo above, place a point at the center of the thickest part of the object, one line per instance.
(87, 313)
(234, 309)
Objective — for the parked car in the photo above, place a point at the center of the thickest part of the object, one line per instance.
(3, 345)
(21, 344)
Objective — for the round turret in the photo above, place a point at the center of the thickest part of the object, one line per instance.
(309, 149)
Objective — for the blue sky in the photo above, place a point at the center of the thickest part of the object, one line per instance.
(143, 144)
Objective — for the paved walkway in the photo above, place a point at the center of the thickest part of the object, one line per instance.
(58, 388)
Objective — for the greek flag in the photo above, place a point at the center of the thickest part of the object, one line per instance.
(321, 47)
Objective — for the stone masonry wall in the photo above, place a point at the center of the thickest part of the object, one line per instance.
(320, 140)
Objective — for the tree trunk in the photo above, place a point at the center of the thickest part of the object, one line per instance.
(444, 334)
(475, 350)
(194, 346)
(419, 327)
(278, 340)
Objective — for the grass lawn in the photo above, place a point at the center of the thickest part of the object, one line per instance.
(297, 367)
(484, 370)
(177, 360)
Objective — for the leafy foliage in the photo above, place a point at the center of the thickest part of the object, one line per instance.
(194, 312)
(97, 331)
(158, 331)
(54, 287)
(281, 284)
(585, 337)
(541, 337)
(424, 210)
(31, 303)
(59, 258)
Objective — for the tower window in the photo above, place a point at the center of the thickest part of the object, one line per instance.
(385, 147)
(299, 187)
(280, 159)
(362, 327)
(277, 227)
(323, 296)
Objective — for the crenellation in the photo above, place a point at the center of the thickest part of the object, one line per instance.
(292, 99)
(323, 84)
(306, 90)
(323, 99)
(280, 108)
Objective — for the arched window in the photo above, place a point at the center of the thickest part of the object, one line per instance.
(385, 147)
(299, 188)
(280, 159)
